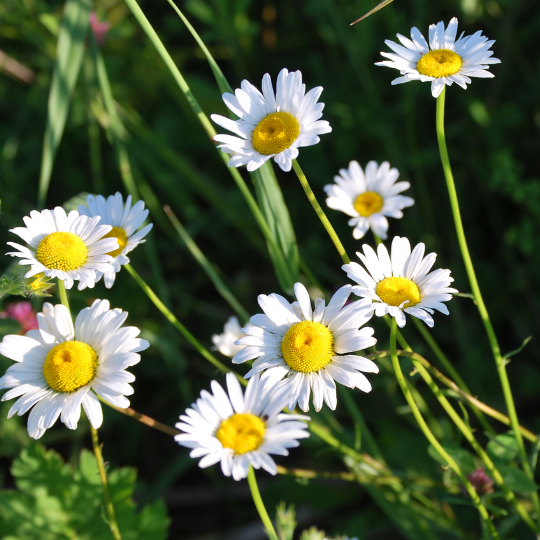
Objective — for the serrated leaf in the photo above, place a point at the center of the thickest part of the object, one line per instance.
(503, 447)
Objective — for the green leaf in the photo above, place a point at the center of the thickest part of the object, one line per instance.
(517, 480)
(503, 447)
(463, 458)
(56, 502)
(69, 55)
(284, 252)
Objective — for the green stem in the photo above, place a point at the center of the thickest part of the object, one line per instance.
(106, 495)
(432, 439)
(499, 361)
(443, 359)
(319, 211)
(63, 293)
(465, 429)
(200, 257)
(178, 325)
(265, 518)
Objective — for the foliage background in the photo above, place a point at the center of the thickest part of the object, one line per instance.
(493, 138)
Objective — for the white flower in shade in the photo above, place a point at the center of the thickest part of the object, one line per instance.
(401, 283)
(449, 61)
(240, 430)
(125, 221)
(309, 348)
(224, 343)
(368, 198)
(70, 247)
(271, 126)
(59, 366)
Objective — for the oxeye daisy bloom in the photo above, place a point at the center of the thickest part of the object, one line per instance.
(60, 366)
(70, 247)
(271, 126)
(125, 220)
(224, 343)
(240, 430)
(368, 198)
(444, 61)
(401, 282)
(309, 348)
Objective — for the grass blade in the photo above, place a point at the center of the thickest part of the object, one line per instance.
(69, 56)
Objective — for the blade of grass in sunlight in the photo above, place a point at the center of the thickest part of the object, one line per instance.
(280, 262)
(382, 4)
(69, 56)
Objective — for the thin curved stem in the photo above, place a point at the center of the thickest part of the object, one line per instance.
(179, 326)
(106, 494)
(467, 433)
(319, 211)
(484, 315)
(433, 440)
(257, 499)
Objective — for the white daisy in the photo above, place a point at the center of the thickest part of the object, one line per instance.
(449, 61)
(240, 430)
(309, 347)
(401, 283)
(125, 220)
(70, 247)
(224, 343)
(368, 197)
(59, 366)
(271, 125)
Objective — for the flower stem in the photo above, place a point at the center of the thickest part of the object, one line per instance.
(432, 439)
(499, 361)
(106, 495)
(63, 293)
(265, 518)
(319, 211)
(465, 429)
(178, 325)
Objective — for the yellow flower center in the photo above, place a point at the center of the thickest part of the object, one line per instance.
(121, 236)
(368, 203)
(69, 366)
(395, 290)
(62, 251)
(439, 63)
(241, 432)
(275, 133)
(307, 346)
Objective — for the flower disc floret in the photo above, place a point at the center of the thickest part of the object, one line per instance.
(394, 291)
(275, 133)
(62, 251)
(70, 366)
(307, 346)
(241, 433)
(121, 237)
(439, 63)
(368, 203)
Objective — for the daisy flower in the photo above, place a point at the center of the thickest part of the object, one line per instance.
(368, 198)
(309, 348)
(125, 220)
(449, 61)
(60, 366)
(271, 126)
(70, 247)
(224, 343)
(401, 283)
(240, 430)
